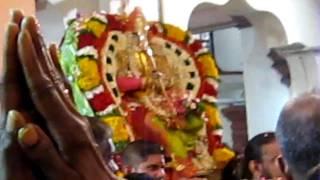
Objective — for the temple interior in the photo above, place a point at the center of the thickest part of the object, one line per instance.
(265, 51)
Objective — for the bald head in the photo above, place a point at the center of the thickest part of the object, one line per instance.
(298, 132)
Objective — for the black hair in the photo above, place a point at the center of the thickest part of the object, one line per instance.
(138, 151)
(138, 176)
(231, 170)
(253, 151)
(298, 132)
(102, 134)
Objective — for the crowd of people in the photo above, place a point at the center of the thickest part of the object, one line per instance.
(33, 92)
(292, 152)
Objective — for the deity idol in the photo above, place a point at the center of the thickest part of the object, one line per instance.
(147, 80)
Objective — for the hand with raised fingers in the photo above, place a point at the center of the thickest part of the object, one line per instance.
(61, 145)
(77, 150)
(14, 95)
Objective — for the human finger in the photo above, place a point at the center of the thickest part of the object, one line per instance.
(16, 16)
(12, 161)
(43, 90)
(10, 77)
(53, 51)
(40, 150)
(45, 57)
(69, 129)
(54, 56)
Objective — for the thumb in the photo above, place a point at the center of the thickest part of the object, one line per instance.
(41, 151)
(13, 164)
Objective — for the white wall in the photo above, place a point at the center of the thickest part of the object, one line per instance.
(175, 12)
(149, 7)
(26, 5)
(51, 18)
(104, 5)
(265, 94)
(228, 48)
(178, 11)
(230, 91)
(304, 72)
(300, 18)
(227, 131)
(246, 49)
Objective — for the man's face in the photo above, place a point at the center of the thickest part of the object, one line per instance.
(270, 169)
(153, 166)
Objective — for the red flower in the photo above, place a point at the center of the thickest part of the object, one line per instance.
(99, 43)
(115, 23)
(101, 101)
(196, 46)
(214, 141)
(153, 30)
(89, 39)
(86, 39)
(136, 120)
(208, 89)
(142, 126)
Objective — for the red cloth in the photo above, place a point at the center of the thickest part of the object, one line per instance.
(127, 84)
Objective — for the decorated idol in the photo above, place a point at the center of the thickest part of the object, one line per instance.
(147, 80)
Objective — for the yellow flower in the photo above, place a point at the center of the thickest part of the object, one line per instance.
(208, 65)
(222, 156)
(213, 115)
(120, 175)
(89, 74)
(118, 126)
(96, 27)
(175, 32)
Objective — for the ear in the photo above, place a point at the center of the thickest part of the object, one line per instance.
(255, 168)
(283, 165)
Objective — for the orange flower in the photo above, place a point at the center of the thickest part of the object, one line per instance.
(212, 114)
(175, 33)
(209, 67)
(118, 126)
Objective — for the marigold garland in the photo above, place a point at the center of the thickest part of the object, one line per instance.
(97, 78)
(174, 32)
(89, 74)
(118, 125)
(96, 27)
(208, 65)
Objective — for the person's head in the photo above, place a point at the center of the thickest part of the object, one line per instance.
(260, 157)
(145, 157)
(298, 132)
(231, 170)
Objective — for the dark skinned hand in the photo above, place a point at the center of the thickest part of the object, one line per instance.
(13, 164)
(64, 147)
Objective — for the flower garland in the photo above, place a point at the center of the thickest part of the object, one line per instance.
(94, 49)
